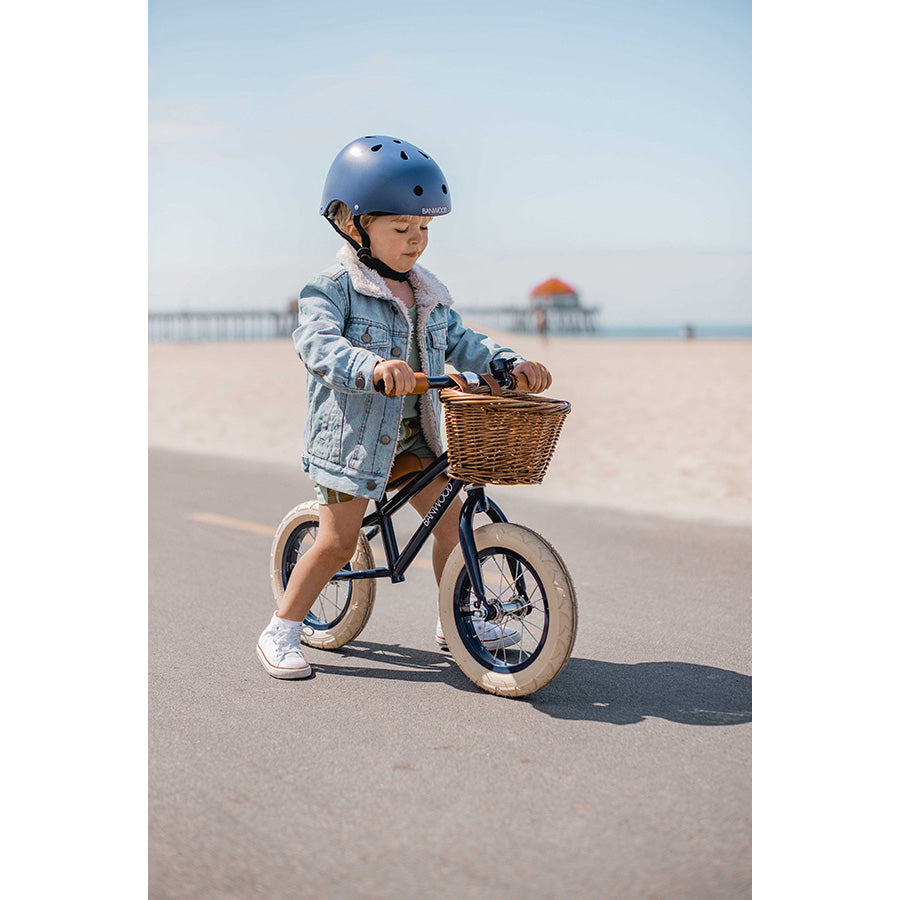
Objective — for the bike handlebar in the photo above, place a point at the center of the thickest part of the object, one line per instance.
(501, 371)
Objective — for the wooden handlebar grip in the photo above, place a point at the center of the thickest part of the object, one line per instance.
(420, 388)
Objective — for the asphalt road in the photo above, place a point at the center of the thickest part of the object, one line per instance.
(389, 774)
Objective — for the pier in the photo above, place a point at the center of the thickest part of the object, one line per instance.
(566, 320)
(221, 325)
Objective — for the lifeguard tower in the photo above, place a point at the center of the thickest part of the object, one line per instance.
(553, 306)
(560, 304)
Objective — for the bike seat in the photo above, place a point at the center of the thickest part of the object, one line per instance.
(406, 467)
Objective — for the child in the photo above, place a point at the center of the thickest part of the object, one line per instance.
(376, 316)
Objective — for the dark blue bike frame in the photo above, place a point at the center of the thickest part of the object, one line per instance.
(399, 561)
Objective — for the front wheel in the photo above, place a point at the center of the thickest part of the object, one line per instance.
(342, 609)
(527, 576)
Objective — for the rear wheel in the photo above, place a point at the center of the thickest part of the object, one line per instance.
(342, 609)
(523, 573)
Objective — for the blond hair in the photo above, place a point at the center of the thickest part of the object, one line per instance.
(340, 214)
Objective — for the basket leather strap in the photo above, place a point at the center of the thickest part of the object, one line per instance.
(494, 385)
(463, 385)
(460, 382)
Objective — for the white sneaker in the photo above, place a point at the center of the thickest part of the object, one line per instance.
(494, 637)
(278, 649)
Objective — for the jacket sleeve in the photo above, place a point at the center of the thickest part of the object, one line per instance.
(471, 351)
(319, 339)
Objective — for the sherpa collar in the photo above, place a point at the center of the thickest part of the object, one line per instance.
(429, 290)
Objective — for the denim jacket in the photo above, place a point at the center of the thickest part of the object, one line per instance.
(348, 322)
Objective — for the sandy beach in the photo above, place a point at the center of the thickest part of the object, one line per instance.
(657, 426)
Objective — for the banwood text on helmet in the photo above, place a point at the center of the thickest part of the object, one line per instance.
(382, 175)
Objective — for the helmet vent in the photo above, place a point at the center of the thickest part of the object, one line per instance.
(396, 142)
(417, 190)
(376, 147)
(425, 155)
(444, 188)
(403, 155)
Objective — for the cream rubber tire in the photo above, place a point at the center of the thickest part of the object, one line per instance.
(342, 609)
(547, 625)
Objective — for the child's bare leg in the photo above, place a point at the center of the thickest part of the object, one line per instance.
(335, 544)
(446, 532)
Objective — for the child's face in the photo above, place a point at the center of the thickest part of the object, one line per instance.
(399, 240)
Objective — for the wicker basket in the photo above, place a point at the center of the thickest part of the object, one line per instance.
(505, 439)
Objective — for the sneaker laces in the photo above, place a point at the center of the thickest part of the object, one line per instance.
(302, 629)
(287, 640)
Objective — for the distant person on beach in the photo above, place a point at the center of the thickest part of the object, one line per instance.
(376, 316)
(540, 320)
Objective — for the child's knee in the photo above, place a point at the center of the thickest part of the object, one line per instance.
(337, 548)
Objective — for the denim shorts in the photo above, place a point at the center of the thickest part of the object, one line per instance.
(411, 441)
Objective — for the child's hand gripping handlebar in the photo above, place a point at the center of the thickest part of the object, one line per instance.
(501, 374)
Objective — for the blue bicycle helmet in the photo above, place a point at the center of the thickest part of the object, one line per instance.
(382, 175)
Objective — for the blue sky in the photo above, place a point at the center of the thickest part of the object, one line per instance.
(607, 143)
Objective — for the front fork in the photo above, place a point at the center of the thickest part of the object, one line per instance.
(478, 502)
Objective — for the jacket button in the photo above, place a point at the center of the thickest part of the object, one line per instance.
(385, 439)
(361, 382)
(395, 351)
(370, 485)
(366, 338)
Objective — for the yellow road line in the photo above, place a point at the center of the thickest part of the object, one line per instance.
(236, 524)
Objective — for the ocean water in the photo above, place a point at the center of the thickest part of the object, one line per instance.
(741, 332)
(663, 331)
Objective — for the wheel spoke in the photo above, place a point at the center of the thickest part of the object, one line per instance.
(506, 581)
(525, 627)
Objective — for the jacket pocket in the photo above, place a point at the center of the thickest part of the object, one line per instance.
(324, 436)
(368, 335)
(437, 337)
(436, 343)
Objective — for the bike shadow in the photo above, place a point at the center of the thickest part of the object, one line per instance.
(627, 693)
(586, 690)
(392, 661)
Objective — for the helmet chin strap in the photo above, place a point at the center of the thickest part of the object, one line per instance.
(364, 252)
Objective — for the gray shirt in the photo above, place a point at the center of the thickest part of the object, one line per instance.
(411, 401)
